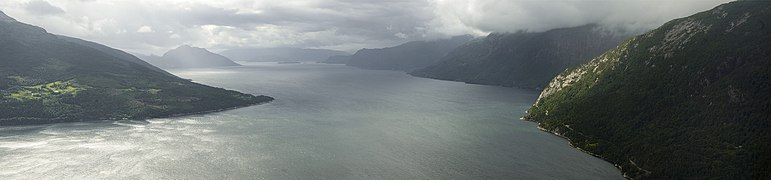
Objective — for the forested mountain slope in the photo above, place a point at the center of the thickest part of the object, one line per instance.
(691, 99)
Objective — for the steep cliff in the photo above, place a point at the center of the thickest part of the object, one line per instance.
(691, 99)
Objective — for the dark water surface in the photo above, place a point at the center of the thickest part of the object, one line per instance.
(328, 122)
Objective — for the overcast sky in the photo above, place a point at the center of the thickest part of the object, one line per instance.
(154, 26)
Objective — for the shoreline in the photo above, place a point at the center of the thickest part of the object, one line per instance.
(570, 142)
(476, 83)
(207, 112)
(26, 121)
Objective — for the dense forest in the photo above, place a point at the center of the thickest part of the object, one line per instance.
(691, 99)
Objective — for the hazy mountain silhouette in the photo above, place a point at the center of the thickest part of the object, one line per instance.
(522, 59)
(280, 54)
(408, 56)
(189, 57)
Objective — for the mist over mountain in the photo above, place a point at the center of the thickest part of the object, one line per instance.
(689, 100)
(189, 57)
(407, 56)
(280, 54)
(152, 58)
(658, 89)
(154, 27)
(522, 59)
(47, 78)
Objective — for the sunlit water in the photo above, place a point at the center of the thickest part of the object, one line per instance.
(328, 122)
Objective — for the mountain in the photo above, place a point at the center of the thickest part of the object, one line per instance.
(46, 78)
(522, 59)
(189, 57)
(408, 56)
(280, 54)
(152, 58)
(113, 52)
(688, 100)
(341, 59)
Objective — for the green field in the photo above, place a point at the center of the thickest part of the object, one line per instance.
(52, 89)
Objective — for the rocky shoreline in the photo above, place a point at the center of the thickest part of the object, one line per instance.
(570, 142)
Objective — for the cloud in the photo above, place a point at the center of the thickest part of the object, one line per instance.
(541, 15)
(43, 8)
(145, 29)
(152, 26)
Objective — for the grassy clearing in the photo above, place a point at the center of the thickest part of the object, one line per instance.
(53, 89)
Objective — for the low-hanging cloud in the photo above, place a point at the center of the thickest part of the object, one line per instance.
(540, 15)
(152, 26)
(42, 8)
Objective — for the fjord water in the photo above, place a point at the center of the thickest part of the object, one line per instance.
(327, 122)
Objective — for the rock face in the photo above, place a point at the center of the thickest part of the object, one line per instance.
(524, 60)
(189, 57)
(689, 100)
(280, 54)
(45, 78)
(408, 56)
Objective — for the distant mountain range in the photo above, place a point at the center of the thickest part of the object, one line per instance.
(522, 59)
(189, 57)
(45, 78)
(339, 59)
(408, 56)
(689, 100)
(280, 54)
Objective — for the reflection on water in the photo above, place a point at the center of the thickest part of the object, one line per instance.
(328, 122)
